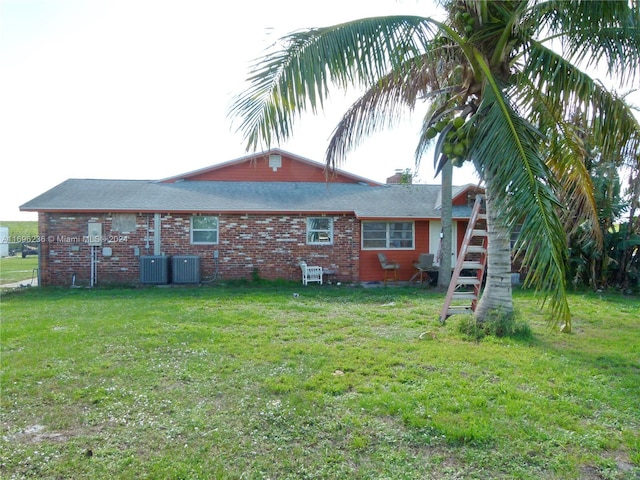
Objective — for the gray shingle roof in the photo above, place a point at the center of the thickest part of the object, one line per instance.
(389, 201)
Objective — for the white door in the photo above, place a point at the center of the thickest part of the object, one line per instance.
(435, 228)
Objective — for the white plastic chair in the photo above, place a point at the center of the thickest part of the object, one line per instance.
(310, 274)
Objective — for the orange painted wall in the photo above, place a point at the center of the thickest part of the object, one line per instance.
(258, 170)
(462, 230)
(460, 201)
(370, 269)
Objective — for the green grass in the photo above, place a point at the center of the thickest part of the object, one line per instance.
(21, 227)
(15, 269)
(20, 230)
(339, 382)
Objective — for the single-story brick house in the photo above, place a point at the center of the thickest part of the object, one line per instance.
(257, 215)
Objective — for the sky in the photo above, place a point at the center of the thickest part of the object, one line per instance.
(141, 89)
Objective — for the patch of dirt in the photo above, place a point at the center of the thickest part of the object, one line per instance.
(37, 434)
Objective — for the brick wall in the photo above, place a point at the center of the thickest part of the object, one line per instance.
(268, 245)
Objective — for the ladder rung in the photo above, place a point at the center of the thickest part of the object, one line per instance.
(472, 265)
(461, 310)
(464, 296)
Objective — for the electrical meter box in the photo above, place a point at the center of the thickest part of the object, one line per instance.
(95, 234)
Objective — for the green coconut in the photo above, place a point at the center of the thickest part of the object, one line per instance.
(447, 149)
(458, 150)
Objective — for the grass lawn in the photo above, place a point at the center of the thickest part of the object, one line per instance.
(339, 382)
(15, 269)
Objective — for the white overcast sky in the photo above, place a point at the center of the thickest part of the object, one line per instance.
(140, 89)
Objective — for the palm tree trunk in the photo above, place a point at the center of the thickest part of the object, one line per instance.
(444, 272)
(496, 298)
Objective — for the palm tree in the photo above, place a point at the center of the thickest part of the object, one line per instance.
(502, 80)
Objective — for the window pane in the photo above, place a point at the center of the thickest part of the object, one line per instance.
(205, 236)
(401, 234)
(374, 235)
(204, 229)
(319, 230)
(374, 227)
(374, 231)
(374, 243)
(205, 223)
(387, 235)
(319, 223)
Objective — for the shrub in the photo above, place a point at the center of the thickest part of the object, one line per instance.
(499, 325)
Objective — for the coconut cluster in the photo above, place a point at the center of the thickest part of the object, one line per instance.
(456, 140)
(465, 22)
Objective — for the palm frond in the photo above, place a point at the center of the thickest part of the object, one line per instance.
(575, 191)
(507, 151)
(296, 76)
(428, 76)
(424, 141)
(565, 157)
(593, 32)
(550, 78)
(382, 105)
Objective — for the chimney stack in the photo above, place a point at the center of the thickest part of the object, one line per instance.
(401, 176)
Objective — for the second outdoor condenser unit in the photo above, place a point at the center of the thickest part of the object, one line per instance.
(185, 269)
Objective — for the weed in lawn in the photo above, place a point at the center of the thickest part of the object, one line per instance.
(499, 325)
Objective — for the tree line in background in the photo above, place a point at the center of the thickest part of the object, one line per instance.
(616, 263)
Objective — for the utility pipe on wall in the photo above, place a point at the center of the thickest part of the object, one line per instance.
(156, 234)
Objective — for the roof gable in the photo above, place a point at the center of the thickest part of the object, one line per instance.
(272, 166)
(460, 195)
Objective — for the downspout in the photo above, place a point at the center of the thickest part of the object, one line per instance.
(156, 234)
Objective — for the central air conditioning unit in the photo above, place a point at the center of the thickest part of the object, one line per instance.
(154, 269)
(185, 269)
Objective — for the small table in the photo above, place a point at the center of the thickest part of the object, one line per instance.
(329, 272)
(429, 275)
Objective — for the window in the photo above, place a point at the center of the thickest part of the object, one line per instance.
(319, 231)
(386, 235)
(204, 230)
(123, 222)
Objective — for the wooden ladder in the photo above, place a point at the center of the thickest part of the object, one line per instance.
(466, 280)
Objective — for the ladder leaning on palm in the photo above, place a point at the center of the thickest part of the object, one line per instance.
(466, 280)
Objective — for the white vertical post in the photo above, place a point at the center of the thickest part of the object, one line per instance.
(156, 234)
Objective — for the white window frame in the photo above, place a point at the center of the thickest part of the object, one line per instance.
(388, 241)
(328, 232)
(196, 230)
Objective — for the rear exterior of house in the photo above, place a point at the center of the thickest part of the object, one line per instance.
(255, 216)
